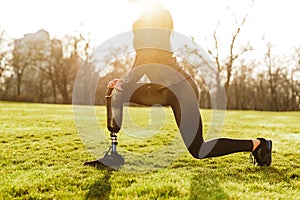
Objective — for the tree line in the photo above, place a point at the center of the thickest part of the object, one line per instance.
(37, 68)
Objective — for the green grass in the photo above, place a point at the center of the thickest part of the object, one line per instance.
(42, 156)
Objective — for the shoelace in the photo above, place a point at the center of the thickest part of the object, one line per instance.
(252, 159)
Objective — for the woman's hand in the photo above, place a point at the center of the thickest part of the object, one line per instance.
(116, 83)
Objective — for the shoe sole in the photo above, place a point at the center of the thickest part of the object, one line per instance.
(269, 143)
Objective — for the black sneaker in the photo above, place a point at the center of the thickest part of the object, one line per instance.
(113, 160)
(263, 153)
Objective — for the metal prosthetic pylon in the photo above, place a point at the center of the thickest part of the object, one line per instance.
(116, 160)
(114, 141)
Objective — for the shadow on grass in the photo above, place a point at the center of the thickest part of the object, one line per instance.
(271, 175)
(206, 186)
(101, 189)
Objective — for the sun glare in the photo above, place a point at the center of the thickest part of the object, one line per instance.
(197, 18)
(148, 5)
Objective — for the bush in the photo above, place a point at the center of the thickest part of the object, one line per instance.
(22, 98)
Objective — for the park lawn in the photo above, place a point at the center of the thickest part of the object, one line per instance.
(42, 158)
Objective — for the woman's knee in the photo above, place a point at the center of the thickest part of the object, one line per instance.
(195, 151)
(197, 154)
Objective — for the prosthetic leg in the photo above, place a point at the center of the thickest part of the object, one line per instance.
(114, 107)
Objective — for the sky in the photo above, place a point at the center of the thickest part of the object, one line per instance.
(277, 21)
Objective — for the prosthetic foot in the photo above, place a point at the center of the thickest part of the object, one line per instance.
(111, 159)
(114, 106)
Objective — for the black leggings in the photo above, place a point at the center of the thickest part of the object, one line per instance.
(183, 100)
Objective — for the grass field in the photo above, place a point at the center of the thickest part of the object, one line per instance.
(42, 157)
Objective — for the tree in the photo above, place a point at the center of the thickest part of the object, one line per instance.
(221, 71)
(2, 53)
(31, 58)
(242, 88)
(44, 68)
(6, 73)
(20, 62)
(295, 82)
(70, 52)
(226, 66)
(272, 78)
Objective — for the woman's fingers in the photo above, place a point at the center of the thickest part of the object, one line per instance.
(116, 83)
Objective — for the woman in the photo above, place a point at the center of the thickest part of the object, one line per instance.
(169, 86)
